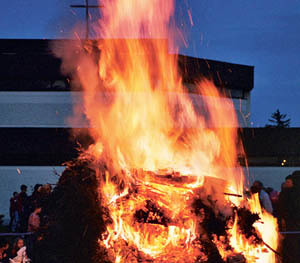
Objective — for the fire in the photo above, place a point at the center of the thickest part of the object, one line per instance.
(158, 148)
(266, 227)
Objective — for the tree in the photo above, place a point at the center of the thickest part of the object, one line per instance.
(278, 120)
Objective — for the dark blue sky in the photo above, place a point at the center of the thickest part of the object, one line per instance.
(262, 33)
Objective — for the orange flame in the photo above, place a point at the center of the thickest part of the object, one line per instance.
(253, 252)
(163, 143)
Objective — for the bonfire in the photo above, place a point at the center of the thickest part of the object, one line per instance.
(167, 169)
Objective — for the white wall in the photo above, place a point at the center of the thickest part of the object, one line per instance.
(270, 176)
(52, 109)
(37, 109)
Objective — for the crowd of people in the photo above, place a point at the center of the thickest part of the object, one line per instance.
(284, 205)
(22, 207)
(25, 217)
(16, 254)
(28, 215)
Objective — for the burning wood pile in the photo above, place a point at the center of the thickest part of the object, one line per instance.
(147, 223)
(166, 165)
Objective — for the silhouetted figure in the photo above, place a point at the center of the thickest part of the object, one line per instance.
(35, 197)
(23, 208)
(286, 203)
(13, 212)
(289, 214)
(274, 196)
(4, 245)
(33, 227)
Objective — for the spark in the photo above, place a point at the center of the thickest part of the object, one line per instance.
(190, 17)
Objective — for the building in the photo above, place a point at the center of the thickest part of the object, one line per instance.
(36, 99)
(37, 94)
(277, 147)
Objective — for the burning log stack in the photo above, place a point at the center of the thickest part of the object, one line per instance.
(77, 223)
(212, 240)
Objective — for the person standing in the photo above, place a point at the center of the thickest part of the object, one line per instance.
(33, 227)
(264, 198)
(35, 197)
(286, 204)
(23, 208)
(289, 215)
(274, 197)
(4, 245)
(13, 212)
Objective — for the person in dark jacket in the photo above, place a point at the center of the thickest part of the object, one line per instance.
(13, 212)
(4, 245)
(289, 214)
(23, 208)
(35, 197)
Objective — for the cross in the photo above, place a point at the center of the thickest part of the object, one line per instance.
(86, 6)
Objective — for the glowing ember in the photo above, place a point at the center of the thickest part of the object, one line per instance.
(163, 167)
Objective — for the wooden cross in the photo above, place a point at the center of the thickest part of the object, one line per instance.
(86, 6)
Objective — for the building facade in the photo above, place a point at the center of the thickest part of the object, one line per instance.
(34, 92)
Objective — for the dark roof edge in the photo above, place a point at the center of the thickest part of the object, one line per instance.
(216, 61)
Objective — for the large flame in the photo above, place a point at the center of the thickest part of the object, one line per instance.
(160, 143)
(266, 227)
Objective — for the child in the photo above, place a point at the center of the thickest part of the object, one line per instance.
(19, 252)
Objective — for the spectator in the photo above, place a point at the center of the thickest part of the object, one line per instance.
(13, 212)
(4, 245)
(274, 196)
(289, 215)
(282, 206)
(35, 197)
(47, 188)
(34, 220)
(264, 198)
(295, 189)
(23, 208)
(289, 181)
(18, 253)
(288, 204)
(33, 226)
(45, 192)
